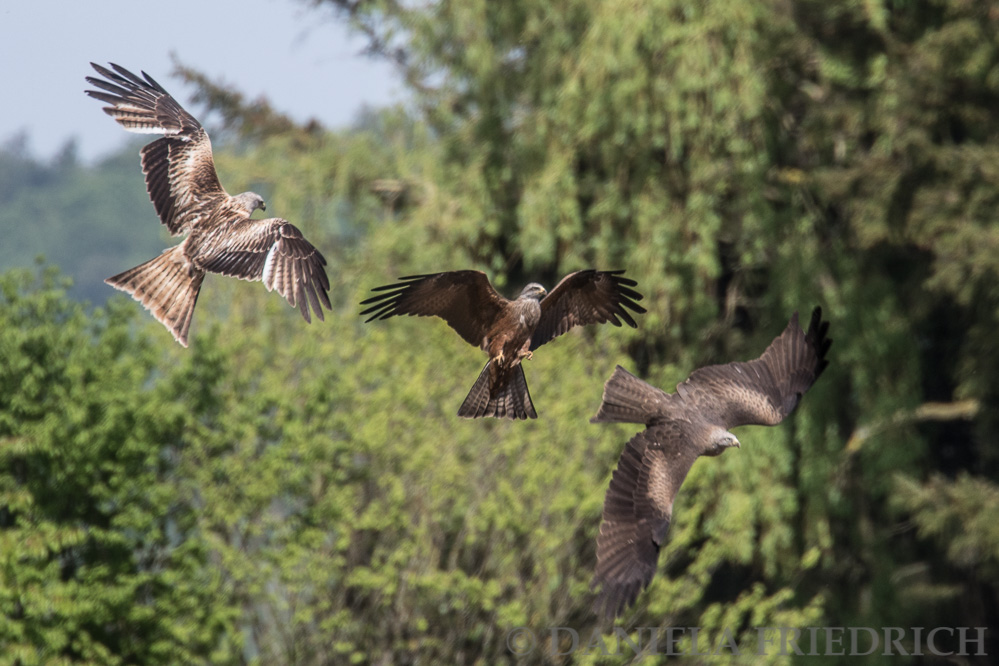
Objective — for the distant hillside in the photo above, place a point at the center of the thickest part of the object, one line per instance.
(91, 221)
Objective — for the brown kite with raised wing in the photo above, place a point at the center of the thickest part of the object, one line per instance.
(680, 427)
(509, 331)
(188, 197)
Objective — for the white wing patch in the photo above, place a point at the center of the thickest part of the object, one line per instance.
(269, 267)
(147, 129)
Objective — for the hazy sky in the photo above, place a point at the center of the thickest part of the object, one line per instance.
(305, 62)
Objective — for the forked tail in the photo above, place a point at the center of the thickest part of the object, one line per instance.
(499, 393)
(628, 399)
(167, 286)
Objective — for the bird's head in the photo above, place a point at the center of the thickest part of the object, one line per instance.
(250, 201)
(721, 440)
(534, 290)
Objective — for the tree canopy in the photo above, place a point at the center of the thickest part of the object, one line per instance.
(282, 493)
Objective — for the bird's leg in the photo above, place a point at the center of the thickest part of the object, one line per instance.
(529, 355)
(499, 358)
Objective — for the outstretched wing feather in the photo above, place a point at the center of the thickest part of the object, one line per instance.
(464, 299)
(638, 508)
(765, 390)
(180, 170)
(586, 297)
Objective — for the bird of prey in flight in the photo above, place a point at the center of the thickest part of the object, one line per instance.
(188, 197)
(509, 331)
(681, 426)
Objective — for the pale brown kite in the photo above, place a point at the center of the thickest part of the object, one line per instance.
(681, 426)
(188, 197)
(509, 331)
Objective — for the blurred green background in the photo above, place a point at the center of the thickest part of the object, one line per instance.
(289, 494)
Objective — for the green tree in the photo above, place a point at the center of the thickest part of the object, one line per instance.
(742, 160)
(745, 159)
(101, 561)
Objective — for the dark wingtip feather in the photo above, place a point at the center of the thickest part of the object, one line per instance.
(630, 293)
(395, 289)
(374, 299)
(137, 80)
(816, 337)
(152, 82)
(382, 306)
(628, 319)
(386, 287)
(374, 312)
(104, 97)
(113, 88)
(314, 301)
(104, 71)
(324, 295)
(627, 298)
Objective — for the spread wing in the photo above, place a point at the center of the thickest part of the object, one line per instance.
(464, 299)
(180, 172)
(586, 297)
(762, 391)
(275, 251)
(638, 508)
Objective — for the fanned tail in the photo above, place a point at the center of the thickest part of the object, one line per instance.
(499, 393)
(167, 286)
(628, 399)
